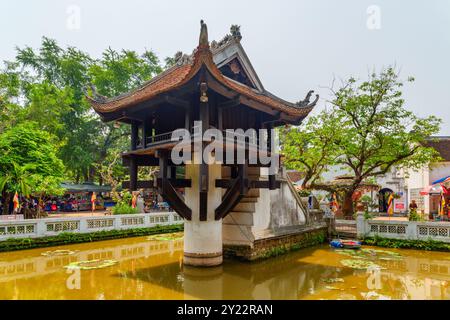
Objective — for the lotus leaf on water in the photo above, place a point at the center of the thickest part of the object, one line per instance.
(331, 288)
(359, 264)
(58, 253)
(90, 264)
(381, 252)
(332, 280)
(166, 237)
(370, 254)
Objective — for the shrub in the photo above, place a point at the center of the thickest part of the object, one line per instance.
(430, 245)
(69, 238)
(123, 208)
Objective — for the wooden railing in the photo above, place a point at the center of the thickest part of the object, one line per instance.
(166, 137)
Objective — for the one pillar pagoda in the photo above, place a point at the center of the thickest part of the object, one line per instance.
(216, 87)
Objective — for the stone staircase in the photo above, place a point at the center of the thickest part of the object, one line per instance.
(238, 224)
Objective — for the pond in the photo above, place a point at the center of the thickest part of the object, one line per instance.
(151, 268)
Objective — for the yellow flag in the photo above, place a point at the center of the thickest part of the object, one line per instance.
(442, 205)
(391, 204)
(16, 200)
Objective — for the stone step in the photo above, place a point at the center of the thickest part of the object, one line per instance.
(237, 235)
(244, 207)
(249, 199)
(239, 218)
(252, 193)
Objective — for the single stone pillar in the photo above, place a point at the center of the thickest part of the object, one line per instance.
(203, 239)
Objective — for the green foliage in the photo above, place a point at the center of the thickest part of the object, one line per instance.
(429, 245)
(28, 161)
(123, 208)
(366, 132)
(309, 240)
(414, 216)
(123, 205)
(48, 85)
(69, 238)
(304, 193)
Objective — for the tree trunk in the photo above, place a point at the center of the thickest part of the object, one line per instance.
(6, 196)
(347, 207)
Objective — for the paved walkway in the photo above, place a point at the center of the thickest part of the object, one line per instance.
(391, 218)
(78, 214)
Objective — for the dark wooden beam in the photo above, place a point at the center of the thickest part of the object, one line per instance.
(145, 184)
(177, 101)
(168, 192)
(203, 206)
(234, 102)
(134, 135)
(133, 168)
(252, 184)
(230, 199)
(176, 183)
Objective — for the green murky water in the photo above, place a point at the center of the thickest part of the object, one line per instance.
(151, 268)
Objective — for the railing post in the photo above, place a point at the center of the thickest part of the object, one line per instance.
(83, 225)
(360, 225)
(331, 226)
(41, 228)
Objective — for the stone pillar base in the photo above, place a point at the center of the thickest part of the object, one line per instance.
(203, 259)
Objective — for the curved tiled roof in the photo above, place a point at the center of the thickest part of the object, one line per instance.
(179, 75)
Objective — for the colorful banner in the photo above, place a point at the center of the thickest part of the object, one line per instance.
(442, 205)
(16, 201)
(391, 204)
(334, 203)
(93, 199)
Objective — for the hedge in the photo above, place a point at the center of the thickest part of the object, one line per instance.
(70, 238)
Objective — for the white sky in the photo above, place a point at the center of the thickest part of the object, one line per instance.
(293, 45)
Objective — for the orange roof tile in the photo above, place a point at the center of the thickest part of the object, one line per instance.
(179, 75)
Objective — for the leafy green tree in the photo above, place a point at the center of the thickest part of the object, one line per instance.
(366, 132)
(48, 86)
(28, 162)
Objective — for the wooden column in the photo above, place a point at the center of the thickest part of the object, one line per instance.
(272, 182)
(144, 133)
(220, 118)
(173, 172)
(134, 135)
(133, 174)
(204, 176)
(187, 119)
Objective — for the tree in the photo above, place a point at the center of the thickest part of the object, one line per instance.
(28, 162)
(48, 86)
(366, 132)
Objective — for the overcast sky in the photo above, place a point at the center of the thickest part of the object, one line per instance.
(293, 45)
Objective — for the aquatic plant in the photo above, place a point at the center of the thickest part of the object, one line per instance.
(359, 264)
(166, 237)
(70, 238)
(429, 245)
(58, 253)
(332, 280)
(90, 264)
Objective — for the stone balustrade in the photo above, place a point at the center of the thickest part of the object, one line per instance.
(407, 230)
(53, 226)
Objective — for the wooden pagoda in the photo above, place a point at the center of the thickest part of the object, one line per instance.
(217, 86)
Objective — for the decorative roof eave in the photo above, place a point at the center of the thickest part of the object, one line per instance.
(179, 75)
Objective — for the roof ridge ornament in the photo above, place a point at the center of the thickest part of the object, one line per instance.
(203, 40)
(306, 103)
(235, 34)
(95, 95)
